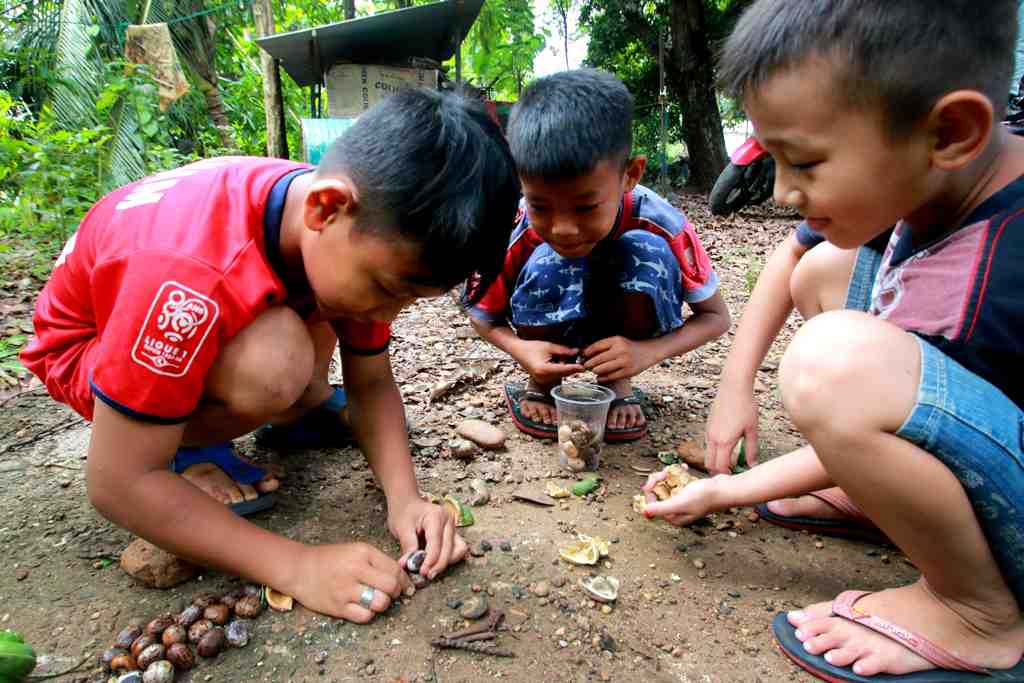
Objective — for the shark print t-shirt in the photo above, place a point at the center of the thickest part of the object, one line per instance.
(652, 249)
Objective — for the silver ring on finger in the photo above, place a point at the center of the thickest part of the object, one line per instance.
(366, 597)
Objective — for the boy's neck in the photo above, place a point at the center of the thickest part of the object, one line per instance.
(293, 228)
(1000, 164)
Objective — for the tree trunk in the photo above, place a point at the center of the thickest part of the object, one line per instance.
(350, 9)
(273, 102)
(689, 72)
(689, 77)
(218, 114)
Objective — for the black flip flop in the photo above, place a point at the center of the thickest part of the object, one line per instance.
(514, 394)
(624, 434)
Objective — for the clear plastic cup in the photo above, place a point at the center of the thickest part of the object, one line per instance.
(582, 413)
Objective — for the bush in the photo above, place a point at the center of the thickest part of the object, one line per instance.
(49, 177)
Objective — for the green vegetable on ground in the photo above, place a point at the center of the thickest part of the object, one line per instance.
(17, 658)
(585, 486)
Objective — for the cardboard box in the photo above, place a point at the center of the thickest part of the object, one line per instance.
(354, 88)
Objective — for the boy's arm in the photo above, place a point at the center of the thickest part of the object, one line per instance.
(619, 358)
(788, 475)
(734, 414)
(539, 358)
(378, 420)
(130, 484)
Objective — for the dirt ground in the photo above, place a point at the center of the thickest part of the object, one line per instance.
(695, 604)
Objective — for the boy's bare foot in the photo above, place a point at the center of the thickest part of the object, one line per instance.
(213, 481)
(624, 416)
(536, 410)
(990, 640)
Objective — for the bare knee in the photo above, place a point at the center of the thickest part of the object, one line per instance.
(266, 367)
(819, 370)
(848, 374)
(820, 279)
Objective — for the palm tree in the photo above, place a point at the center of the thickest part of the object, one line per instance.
(87, 37)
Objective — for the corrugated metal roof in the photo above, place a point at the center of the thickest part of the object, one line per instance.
(384, 38)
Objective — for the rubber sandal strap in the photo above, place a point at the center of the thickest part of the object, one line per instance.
(337, 401)
(838, 499)
(843, 606)
(536, 397)
(223, 456)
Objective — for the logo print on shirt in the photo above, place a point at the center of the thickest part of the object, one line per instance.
(177, 324)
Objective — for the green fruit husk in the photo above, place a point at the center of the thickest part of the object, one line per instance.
(585, 486)
(17, 658)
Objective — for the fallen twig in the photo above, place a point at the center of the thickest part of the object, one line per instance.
(49, 431)
(481, 648)
(24, 392)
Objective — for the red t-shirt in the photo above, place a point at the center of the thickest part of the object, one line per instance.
(161, 274)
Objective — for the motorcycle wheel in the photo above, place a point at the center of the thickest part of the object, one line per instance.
(730, 192)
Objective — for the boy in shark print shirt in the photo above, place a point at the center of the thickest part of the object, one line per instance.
(598, 267)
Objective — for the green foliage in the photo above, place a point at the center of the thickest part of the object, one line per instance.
(633, 58)
(500, 48)
(50, 176)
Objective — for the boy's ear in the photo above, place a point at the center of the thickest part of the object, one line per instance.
(634, 171)
(326, 199)
(960, 125)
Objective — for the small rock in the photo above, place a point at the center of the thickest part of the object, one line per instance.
(462, 449)
(558, 581)
(475, 607)
(819, 545)
(505, 546)
(698, 563)
(542, 589)
(481, 433)
(154, 567)
(486, 546)
(454, 603)
(753, 516)
(481, 494)
(608, 643)
(677, 652)
(21, 574)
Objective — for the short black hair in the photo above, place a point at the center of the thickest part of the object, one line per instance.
(903, 55)
(434, 168)
(565, 124)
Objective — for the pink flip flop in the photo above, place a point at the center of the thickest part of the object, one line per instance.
(855, 525)
(949, 667)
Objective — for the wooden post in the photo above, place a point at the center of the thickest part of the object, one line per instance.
(664, 182)
(273, 102)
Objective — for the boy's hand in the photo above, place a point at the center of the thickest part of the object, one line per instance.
(733, 416)
(694, 502)
(617, 357)
(332, 579)
(541, 360)
(442, 542)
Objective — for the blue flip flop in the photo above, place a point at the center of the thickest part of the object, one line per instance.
(223, 456)
(950, 669)
(319, 428)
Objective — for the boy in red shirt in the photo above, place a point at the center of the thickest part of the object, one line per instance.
(196, 305)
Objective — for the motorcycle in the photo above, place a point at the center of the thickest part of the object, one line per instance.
(748, 179)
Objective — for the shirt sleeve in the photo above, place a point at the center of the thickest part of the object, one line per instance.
(700, 281)
(493, 306)
(362, 338)
(162, 321)
(807, 237)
